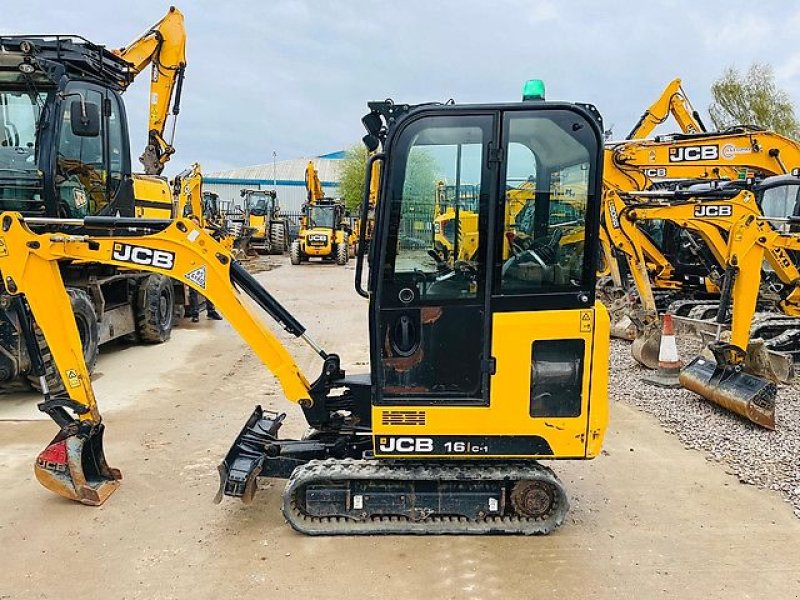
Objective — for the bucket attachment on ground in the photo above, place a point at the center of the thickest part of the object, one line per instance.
(669, 363)
(647, 345)
(74, 465)
(726, 384)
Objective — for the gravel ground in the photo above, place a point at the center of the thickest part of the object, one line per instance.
(767, 459)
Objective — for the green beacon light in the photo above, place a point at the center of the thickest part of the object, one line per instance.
(533, 90)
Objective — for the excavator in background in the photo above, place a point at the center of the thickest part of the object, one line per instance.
(676, 259)
(477, 370)
(324, 231)
(65, 153)
(672, 101)
(760, 306)
(267, 232)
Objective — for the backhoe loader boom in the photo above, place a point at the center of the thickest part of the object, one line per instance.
(164, 47)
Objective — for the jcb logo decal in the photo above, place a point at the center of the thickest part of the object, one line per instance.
(143, 256)
(656, 172)
(318, 237)
(713, 210)
(405, 445)
(694, 153)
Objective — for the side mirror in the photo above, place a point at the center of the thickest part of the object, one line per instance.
(84, 118)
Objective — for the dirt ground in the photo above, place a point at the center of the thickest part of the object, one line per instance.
(649, 518)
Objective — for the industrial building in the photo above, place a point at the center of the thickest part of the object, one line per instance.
(286, 177)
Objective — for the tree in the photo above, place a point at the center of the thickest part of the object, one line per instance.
(752, 99)
(351, 182)
(420, 182)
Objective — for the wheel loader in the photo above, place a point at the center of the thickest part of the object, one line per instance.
(478, 369)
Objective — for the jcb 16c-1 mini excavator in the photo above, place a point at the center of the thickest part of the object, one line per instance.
(478, 369)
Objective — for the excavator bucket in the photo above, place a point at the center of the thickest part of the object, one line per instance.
(646, 346)
(730, 387)
(74, 465)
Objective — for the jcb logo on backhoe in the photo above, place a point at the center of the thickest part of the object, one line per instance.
(143, 256)
(655, 172)
(694, 153)
(713, 210)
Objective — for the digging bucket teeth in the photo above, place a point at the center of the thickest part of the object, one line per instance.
(74, 465)
(730, 387)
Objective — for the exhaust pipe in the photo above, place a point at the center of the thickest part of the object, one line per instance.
(74, 465)
(730, 387)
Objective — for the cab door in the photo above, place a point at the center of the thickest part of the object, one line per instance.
(430, 331)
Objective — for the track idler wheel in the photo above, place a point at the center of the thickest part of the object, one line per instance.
(725, 383)
(74, 465)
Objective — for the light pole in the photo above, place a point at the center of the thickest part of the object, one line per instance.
(274, 171)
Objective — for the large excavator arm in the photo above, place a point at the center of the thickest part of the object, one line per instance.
(672, 101)
(73, 465)
(164, 47)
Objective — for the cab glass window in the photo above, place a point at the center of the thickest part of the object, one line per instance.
(549, 165)
(80, 168)
(438, 197)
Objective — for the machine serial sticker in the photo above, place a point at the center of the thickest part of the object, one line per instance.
(71, 375)
(198, 276)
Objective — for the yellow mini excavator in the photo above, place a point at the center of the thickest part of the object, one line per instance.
(478, 369)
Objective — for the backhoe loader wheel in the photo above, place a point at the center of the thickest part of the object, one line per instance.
(155, 309)
(295, 254)
(277, 238)
(342, 253)
(86, 320)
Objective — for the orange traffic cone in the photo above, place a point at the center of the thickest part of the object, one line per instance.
(669, 363)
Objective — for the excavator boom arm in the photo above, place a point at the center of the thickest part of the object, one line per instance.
(672, 101)
(164, 47)
(181, 250)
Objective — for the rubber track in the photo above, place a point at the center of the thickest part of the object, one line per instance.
(352, 469)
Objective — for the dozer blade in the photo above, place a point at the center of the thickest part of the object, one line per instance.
(74, 465)
(732, 388)
(646, 346)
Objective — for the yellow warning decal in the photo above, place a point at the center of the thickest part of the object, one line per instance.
(72, 378)
(3, 248)
(586, 321)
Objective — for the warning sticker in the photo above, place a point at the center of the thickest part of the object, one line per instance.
(71, 375)
(586, 321)
(198, 276)
(3, 248)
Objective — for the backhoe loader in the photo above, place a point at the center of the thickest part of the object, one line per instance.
(478, 369)
(324, 232)
(268, 232)
(65, 153)
(672, 101)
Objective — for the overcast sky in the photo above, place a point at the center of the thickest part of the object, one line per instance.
(294, 76)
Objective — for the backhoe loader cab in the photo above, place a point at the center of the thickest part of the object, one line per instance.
(262, 218)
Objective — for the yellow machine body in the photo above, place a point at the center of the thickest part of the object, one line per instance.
(508, 413)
